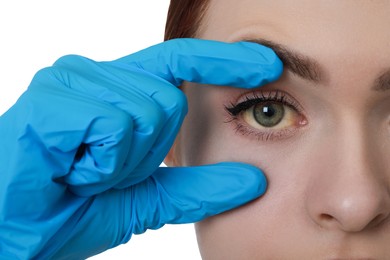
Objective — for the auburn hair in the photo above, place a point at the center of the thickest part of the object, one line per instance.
(184, 18)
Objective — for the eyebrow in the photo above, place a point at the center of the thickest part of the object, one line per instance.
(309, 69)
(382, 83)
(299, 64)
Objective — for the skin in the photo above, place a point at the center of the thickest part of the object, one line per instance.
(329, 177)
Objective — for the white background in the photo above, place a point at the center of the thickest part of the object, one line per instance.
(35, 33)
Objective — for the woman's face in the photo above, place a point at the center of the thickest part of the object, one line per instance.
(321, 133)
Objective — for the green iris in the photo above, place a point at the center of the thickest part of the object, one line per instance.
(268, 114)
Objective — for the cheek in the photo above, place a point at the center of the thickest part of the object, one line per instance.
(258, 229)
(272, 226)
(260, 226)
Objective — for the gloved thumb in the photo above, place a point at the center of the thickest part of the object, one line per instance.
(168, 196)
(190, 194)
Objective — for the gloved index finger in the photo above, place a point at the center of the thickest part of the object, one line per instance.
(239, 64)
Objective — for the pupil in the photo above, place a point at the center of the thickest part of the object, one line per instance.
(268, 114)
(268, 111)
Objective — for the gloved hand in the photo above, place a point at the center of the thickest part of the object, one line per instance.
(80, 150)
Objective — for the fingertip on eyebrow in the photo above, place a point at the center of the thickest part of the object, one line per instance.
(308, 68)
(301, 65)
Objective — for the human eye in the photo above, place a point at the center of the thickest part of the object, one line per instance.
(267, 115)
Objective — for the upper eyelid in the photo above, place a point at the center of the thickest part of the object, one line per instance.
(236, 109)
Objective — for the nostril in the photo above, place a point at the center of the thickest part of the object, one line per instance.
(328, 220)
(326, 217)
(378, 220)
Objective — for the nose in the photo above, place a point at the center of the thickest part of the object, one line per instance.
(349, 187)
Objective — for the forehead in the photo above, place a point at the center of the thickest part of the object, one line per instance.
(346, 26)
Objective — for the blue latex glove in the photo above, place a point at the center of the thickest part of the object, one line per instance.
(80, 150)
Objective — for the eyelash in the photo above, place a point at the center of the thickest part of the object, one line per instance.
(255, 98)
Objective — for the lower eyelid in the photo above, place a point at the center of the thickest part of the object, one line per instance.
(277, 135)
